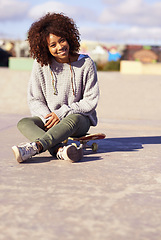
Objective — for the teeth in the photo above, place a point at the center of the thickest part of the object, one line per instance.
(62, 52)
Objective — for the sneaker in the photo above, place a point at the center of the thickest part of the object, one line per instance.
(25, 151)
(71, 153)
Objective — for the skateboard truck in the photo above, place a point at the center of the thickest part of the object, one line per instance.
(85, 139)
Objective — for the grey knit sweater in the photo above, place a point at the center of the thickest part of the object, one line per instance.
(43, 100)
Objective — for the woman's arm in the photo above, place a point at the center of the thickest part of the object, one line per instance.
(36, 99)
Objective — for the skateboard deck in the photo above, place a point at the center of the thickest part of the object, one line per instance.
(88, 137)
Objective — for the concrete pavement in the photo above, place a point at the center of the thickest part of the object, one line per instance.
(114, 194)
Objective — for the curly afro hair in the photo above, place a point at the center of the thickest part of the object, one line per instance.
(57, 24)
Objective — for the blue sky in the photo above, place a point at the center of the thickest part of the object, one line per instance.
(119, 21)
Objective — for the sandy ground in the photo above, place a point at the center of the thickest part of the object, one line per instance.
(113, 194)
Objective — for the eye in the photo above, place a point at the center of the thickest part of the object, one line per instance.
(62, 40)
(53, 45)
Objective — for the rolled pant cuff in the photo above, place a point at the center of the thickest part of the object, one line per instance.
(43, 143)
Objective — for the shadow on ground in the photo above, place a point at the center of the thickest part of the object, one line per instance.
(126, 144)
(38, 159)
(107, 145)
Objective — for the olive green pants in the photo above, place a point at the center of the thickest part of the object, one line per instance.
(73, 125)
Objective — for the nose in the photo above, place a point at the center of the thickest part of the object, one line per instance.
(59, 46)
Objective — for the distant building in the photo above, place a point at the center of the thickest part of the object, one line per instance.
(4, 58)
(101, 52)
(113, 55)
(145, 54)
(15, 48)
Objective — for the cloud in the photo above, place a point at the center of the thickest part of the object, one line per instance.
(132, 34)
(120, 20)
(12, 9)
(129, 12)
(111, 1)
(53, 6)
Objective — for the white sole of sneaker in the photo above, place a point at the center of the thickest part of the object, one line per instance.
(17, 154)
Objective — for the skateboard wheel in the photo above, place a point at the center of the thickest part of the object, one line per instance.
(94, 147)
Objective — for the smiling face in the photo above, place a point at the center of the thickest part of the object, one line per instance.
(58, 47)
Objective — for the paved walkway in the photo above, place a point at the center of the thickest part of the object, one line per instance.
(114, 194)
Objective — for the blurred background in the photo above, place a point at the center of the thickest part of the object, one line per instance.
(111, 31)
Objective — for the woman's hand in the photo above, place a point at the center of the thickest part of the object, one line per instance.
(52, 121)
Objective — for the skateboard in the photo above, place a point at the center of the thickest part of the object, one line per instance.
(85, 139)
